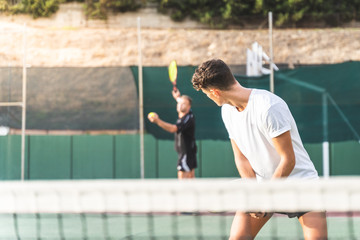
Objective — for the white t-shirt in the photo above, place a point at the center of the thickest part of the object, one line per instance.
(266, 116)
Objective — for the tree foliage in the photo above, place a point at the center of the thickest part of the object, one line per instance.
(36, 8)
(222, 13)
(99, 9)
(214, 13)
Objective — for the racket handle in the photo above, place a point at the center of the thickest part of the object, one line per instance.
(174, 87)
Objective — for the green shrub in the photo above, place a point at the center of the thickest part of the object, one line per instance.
(99, 9)
(96, 9)
(222, 13)
(37, 8)
(294, 12)
(214, 13)
(4, 6)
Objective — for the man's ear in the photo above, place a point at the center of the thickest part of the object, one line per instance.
(215, 92)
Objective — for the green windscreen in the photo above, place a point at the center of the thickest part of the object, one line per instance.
(324, 100)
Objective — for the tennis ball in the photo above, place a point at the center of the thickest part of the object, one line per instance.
(151, 114)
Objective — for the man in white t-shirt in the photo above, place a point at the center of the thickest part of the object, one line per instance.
(265, 142)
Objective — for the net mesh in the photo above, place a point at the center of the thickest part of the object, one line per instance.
(71, 98)
(171, 209)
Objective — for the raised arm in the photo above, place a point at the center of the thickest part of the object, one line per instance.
(284, 148)
(242, 163)
(176, 94)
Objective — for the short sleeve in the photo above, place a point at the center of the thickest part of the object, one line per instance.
(278, 119)
(226, 119)
(185, 122)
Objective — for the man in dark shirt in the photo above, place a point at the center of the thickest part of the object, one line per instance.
(184, 130)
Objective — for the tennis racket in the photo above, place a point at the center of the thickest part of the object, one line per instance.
(173, 73)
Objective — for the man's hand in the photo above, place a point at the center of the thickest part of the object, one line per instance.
(153, 117)
(176, 94)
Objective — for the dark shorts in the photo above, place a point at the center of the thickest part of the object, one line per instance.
(292, 214)
(186, 162)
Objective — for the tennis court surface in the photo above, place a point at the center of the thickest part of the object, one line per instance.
(171, 209)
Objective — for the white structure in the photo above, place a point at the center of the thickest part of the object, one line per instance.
(255, 58)
(4, 130)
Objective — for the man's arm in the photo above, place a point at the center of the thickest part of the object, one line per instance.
(284, 148)
(166, 126)
(172, 128)
(176, 94)
(242, 163)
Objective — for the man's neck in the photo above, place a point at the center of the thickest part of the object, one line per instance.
(238, 97)
(182, 114)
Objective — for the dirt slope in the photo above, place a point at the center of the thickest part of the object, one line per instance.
(115, 46)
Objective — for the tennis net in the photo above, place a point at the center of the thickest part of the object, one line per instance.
(171, 209)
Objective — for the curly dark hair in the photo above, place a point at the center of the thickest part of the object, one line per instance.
(213, 74)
